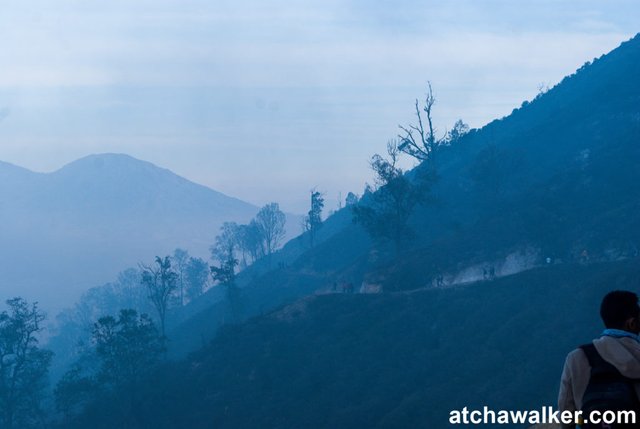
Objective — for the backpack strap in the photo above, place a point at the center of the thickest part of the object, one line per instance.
(593, 356)
(601, 370)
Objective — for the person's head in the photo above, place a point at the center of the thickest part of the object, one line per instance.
(620, 310)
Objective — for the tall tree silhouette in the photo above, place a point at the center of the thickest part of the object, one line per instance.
(271, 220)
(385, 209)
(313, 220)
(160, 281)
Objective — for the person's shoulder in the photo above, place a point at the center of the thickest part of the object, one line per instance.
(578, 351)
(577, 357)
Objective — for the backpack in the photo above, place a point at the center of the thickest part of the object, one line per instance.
(607, 390)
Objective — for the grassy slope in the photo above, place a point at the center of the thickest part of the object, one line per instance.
(392, 360)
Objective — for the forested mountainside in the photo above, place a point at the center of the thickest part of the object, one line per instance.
(556, 179)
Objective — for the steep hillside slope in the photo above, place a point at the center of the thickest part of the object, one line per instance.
(559, 178)
(556, 179)
(559, 174)
(393, 360)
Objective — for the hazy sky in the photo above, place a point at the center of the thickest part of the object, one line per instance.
(264, 100)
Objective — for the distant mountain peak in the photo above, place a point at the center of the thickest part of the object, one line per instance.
(100, 161)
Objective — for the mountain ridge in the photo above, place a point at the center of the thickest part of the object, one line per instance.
(95, 216)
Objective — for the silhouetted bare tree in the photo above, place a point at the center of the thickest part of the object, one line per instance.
(271, 222)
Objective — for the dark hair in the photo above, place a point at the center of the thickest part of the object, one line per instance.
(617, 307)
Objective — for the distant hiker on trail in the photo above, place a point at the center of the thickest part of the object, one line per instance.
(347, 287)
(584, 257)
(605, 374)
